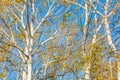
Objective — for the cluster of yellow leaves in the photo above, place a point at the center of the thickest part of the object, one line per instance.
(7, 3)
(18, 1)
(4, 51)
(3, 74)
(2, 58)
(21, 35)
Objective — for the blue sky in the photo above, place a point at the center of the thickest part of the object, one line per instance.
(74, 14)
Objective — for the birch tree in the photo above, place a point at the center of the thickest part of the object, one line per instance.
(59, 39)
(106, 13)
(24, 25)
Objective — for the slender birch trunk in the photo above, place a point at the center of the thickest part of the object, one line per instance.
(87, 65)
(109, 38)
(110, 63)
(27, 74)
(118, 67)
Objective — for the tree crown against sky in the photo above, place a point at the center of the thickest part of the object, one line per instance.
(59, 39)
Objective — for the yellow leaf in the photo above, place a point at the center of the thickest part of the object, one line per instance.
(18, 1)
(63, 65)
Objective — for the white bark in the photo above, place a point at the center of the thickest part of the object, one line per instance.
(27, 74)
(109, 38)
(24, 75)
(110, 63)
(29, 68)
(87, 65)
(118, 66)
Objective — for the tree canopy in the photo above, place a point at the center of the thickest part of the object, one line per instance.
(59, 39)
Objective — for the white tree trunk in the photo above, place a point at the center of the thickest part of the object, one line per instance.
(28, 46)
(110, 63)
(27, 74)
(109, 38)
(118, 66)
(24, 73)
(29, 65)
(87, 65)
